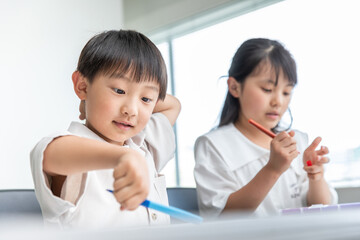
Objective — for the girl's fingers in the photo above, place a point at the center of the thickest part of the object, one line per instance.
(312, 169)
(322, 151)
(314, 144)
(322, 160)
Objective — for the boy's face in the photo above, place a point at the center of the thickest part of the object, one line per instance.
(118, 108)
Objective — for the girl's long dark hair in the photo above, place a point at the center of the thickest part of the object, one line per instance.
(248, 56)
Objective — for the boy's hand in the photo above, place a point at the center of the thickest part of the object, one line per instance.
(317, 158)
(282, 152)
(131, 180)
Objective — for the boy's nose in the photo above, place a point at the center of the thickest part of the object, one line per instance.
(128, 109)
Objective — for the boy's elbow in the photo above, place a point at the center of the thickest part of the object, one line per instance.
(47, 164)
(176, 108)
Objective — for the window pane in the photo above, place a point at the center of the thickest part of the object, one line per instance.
(169, 171)
(326, 49)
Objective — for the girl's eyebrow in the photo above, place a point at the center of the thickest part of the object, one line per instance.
(270, 81)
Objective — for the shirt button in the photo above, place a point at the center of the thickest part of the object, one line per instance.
(154, 216)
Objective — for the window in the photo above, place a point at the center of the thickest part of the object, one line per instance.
(325, 101)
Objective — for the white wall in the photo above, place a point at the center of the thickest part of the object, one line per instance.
(40, 42)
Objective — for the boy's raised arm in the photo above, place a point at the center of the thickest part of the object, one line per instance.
(170, 107)
(72, 154)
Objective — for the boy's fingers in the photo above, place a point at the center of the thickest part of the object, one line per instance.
(121, 183)
(133, 202)
(119, 173)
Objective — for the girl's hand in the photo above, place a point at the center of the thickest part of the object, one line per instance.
(317, 158)
(131, 180)
(282, 151)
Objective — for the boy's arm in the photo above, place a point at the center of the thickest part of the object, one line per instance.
(170, 107)
(71, 154)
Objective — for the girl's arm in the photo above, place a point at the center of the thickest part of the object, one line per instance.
(252, 194)
(282, 152)
(170, 107)
(319, 192)
(71, 154)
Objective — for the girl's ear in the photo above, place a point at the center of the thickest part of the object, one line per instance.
(80, 85)
(234, 87)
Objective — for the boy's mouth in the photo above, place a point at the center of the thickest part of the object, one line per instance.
(123, 124)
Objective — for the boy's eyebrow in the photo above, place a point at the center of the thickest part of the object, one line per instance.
(155, 88)
(116, 76)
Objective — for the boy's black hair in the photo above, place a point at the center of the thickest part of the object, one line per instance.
(247, 58)
(121, 52)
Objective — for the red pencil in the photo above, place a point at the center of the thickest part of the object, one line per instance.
(264, 130)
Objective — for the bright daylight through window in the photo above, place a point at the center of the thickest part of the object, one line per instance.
(321, 35)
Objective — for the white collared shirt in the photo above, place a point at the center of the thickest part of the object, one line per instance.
(226, 161)
(84, 201)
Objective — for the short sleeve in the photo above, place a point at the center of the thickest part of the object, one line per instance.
(52, 206)
(214, 180)
(160, 139)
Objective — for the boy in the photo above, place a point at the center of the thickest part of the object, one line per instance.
(126, 140)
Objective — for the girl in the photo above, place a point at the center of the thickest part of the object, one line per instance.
(240, 167)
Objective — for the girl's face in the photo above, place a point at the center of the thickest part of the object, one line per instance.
(118, 108)
(262, 99)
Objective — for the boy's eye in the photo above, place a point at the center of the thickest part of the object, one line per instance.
(147, 100)
(119, 91)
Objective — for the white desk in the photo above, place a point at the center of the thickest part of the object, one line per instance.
(335, 225)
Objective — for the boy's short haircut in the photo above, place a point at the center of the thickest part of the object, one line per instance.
(117, 53)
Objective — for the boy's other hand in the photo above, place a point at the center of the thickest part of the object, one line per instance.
(131, 180)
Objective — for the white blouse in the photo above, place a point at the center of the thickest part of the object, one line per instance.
(226, 161)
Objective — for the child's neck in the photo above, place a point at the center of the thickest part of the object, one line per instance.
(253, 134)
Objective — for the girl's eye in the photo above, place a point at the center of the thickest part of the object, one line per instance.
(119, 91)
(147, 100)
(266, 90)
(287, 94)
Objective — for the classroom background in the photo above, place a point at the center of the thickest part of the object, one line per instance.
(41, 41)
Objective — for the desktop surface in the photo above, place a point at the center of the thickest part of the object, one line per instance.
(329, 225)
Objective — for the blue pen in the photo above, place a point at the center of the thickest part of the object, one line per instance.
(172, 211)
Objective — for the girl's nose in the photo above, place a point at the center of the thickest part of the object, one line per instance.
(276, 99)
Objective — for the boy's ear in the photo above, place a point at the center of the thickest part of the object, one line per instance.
(234, 87)
(80, 85)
